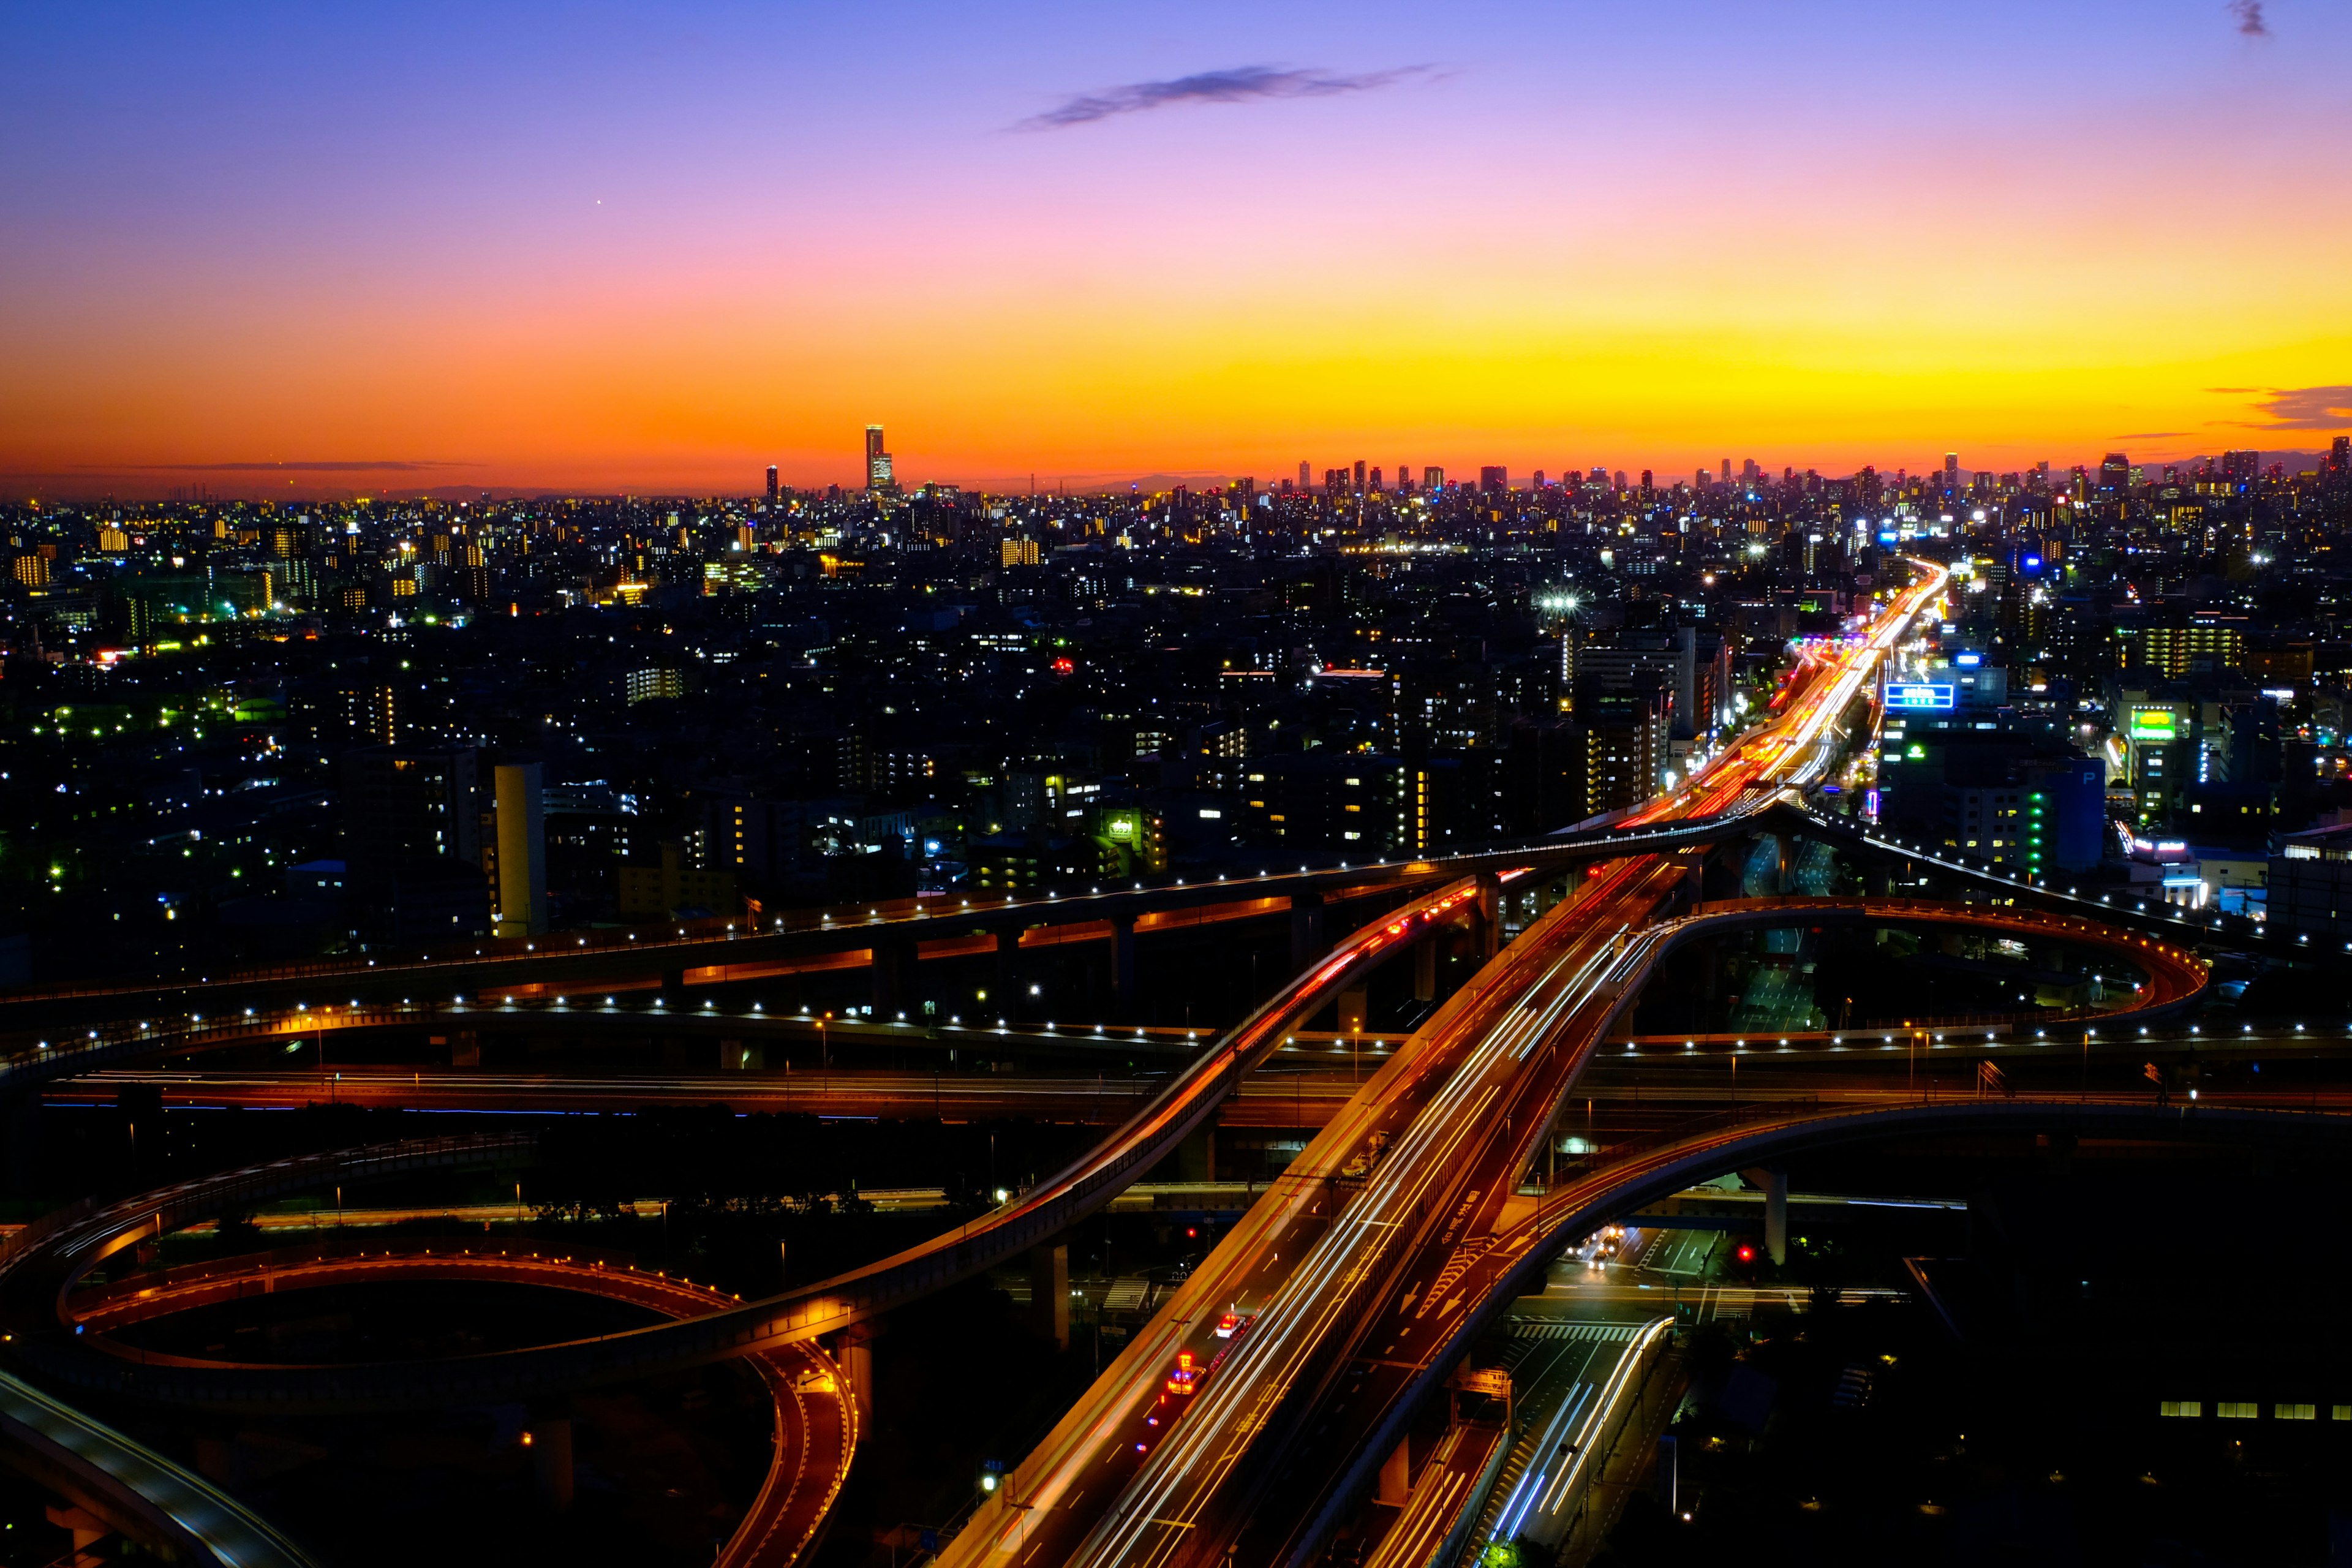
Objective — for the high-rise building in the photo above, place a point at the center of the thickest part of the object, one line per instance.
(1726, 470)
(1404, 479)
(878, 476)
(2115, 475)
(2241, 467)
(1372, 485)
(1951, 471)
(771, 486)
(412, 840)
(1359, 476)
(2339, 454)
(1493, 480)
(1306, 481)
(1749, 471)
(1433, 478)
(522, 850)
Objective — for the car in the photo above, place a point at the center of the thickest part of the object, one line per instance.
(1184, 1378)
(1231, 1324)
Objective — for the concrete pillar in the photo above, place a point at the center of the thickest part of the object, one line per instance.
(1049, 1292)
(87, 1528)
(465, 1048)
(522, 851)
(1776, 1216)
(1007, 986)
(1307, 943)
(1196, 1156)
(20, 1136)
(1784, 862)
(857, 1359)
(1354, 1006)
(1122, 964)
(893, 966)
(1486, 925)
(673, 986)
(1424, 969)
(551, 1461)
(1396, 1474)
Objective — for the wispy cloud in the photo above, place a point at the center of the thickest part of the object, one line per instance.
(1240, 84)
(2307, 409)
(330, 466)
(2249, 14)
(2148, 434)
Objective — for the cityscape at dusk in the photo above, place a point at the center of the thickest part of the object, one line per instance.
(1501, 786)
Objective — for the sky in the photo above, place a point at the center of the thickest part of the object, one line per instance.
(308, 249)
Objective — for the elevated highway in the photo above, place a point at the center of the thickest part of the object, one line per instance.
(1145, 1138)
(1457, 1111)
(817, 1419)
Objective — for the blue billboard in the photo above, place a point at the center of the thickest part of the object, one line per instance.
(1913, 696)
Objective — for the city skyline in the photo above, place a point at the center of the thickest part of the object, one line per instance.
(653, 256)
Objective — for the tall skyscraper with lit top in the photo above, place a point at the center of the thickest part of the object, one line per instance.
(878, 476)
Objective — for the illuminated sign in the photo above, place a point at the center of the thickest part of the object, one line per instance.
(1970, 658)
(1917, 696)
(2152, 724)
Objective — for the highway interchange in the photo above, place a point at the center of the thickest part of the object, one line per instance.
(1405, 1229)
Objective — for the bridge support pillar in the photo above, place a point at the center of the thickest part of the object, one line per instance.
(20, 1134)
(465, 1048)
(1049, 1292)
(1424, 969)
(1122, 964)
(1396, 1474)
(1784, 863)
(673, 986)
(1307, 943)
(855, 1354)
(1008, 966)
(1196, 1156)
(1486, 925)
(1776, 1216)
(551, 1461)
(894, 963)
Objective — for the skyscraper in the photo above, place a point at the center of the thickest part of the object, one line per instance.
(2115, 475)
(771, 486)
(2339, 454)
(1493, 480)
(1359, 476)
(877, 461)
(1951, 470)
(1306, 481)
(2241, 467)
(1433, 478)
(1726, 470)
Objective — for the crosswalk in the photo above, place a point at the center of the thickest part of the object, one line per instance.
(1527, 1327)
(1127, 1294)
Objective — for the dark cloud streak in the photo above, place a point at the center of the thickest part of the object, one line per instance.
(1240, 84)
(2249, 14)
(357, 466)
(2307, 409)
